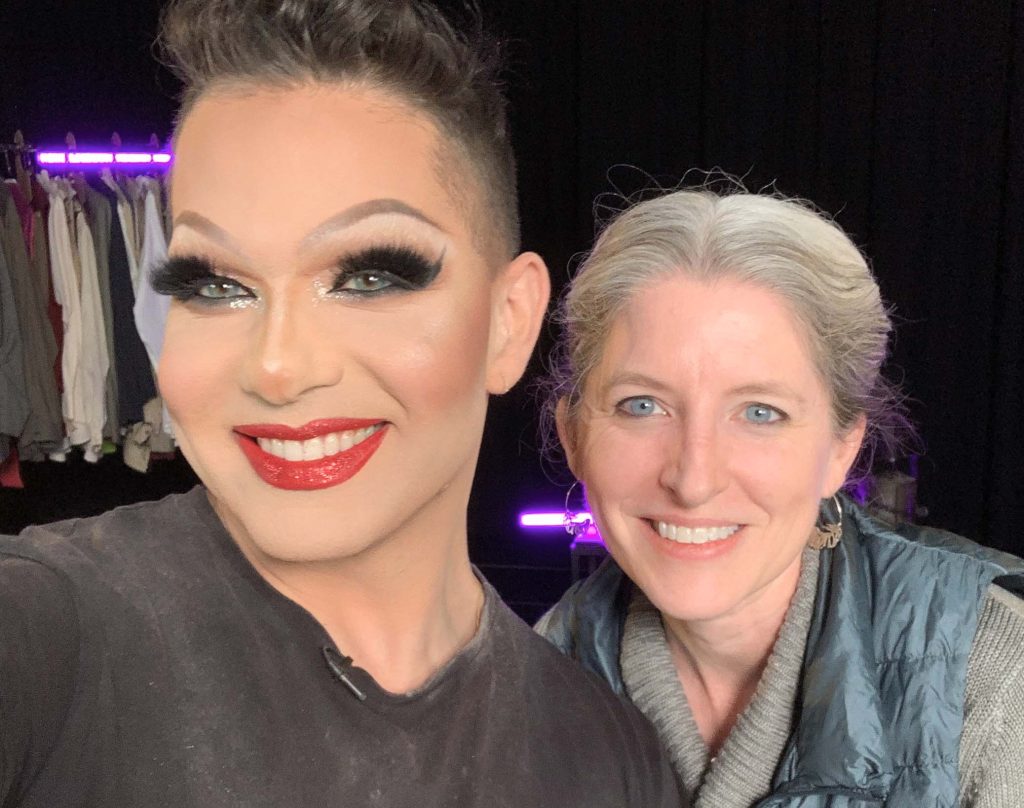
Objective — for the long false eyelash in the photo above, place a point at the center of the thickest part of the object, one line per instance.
(404, 267)
(182, 276)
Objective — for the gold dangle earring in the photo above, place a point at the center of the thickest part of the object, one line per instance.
(827, 532)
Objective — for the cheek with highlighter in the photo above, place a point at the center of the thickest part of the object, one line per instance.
(431, 361)
(197, 378)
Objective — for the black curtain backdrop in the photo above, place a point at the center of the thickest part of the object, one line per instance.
(904, 118)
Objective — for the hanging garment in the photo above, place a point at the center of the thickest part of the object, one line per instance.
(70, 206)
(39, 252)
(13, 396)
(95, 361)
(34, 211)
(136, 190)
(151, 308)
(65, 288)
(135, 385)
(168, 219)
(99, 215)
(23, 206)
(126, 219)
(44, 427)
(134, 205)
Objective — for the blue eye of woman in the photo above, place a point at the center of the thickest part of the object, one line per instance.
(761, 414)
(639, 406)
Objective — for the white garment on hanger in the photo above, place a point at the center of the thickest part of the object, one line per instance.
(65, 290)
(95, 360)
(151, 308)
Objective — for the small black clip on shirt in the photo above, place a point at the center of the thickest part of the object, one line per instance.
(339, 665)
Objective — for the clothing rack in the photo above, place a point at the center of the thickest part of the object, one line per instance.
(61, 159)
(94, 243)
(18, 150)
(83, 160)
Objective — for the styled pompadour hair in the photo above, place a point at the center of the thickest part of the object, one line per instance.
(404, 47)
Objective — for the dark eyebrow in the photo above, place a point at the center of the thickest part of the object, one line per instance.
(346, 218)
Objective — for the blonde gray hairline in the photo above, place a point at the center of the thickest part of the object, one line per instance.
(780, 244)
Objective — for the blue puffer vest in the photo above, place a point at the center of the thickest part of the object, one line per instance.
(880, 710)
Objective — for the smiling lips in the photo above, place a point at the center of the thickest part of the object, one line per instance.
(694, 535)
(318, 455)
(694, 542)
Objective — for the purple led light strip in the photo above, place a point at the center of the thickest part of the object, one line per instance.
(101, 159)
(549, 520)
(543, 519)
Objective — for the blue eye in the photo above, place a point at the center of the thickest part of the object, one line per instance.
(220, 290)
(365, 281)
(640, 407)
(195, 278)
(761, 414)
(384, 269)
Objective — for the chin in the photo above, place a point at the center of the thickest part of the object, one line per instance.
(285, 526)
(305, 540)
(687, 597)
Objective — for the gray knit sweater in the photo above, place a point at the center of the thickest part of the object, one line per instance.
(991, 747)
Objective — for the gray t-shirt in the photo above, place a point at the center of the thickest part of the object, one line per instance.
(144, 662)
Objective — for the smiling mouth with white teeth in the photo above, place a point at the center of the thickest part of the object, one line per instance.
(693, 535)
(319, 447)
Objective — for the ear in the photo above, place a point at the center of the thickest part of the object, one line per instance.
(518, 303)
(844, 453)
(567, 436)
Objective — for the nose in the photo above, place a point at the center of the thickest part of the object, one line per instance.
(287, 357)
(695, 469)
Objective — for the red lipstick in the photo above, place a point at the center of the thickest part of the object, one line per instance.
(308, 475)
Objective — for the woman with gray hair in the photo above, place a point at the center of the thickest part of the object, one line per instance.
(718, 385)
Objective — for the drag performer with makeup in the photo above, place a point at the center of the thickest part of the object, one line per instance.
(305, 628)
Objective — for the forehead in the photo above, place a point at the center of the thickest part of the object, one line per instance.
(268, 163)
(718, 334)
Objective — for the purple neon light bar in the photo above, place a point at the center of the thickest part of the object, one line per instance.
(101, 159)
(549, 520)
(543, 519)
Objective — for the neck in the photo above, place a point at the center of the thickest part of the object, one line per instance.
(720, 661)
(401, 608)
